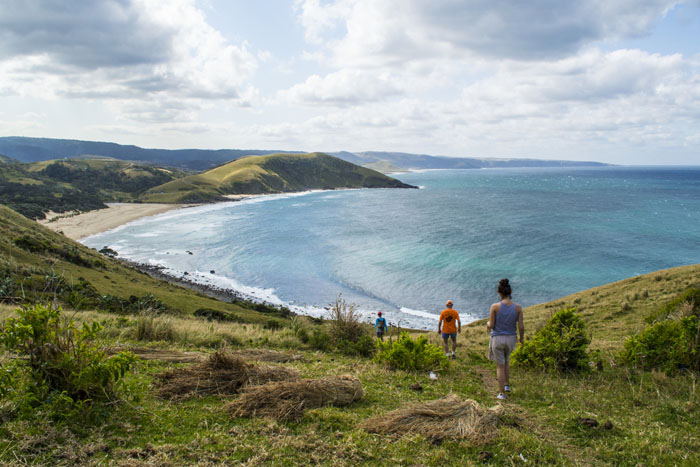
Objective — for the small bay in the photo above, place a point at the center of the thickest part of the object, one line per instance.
(551, 231)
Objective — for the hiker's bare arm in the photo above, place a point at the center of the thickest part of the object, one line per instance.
(521, 325)
(492, 318)
(439, 326)
(459, 324)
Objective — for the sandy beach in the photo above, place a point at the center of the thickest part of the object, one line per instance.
(93, 222)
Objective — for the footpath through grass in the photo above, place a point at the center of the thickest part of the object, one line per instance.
(653, 417)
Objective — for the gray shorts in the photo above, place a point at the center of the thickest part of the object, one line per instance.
(500, 348)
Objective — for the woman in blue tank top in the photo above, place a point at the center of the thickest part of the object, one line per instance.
(503, 318)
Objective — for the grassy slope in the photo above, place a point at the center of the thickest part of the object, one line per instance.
(273, 173)
(111, 278)
(79, 184)
(654, 416)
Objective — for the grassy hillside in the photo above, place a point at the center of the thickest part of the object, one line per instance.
(275, 173)
(76, 184)
(33, 194)
(653, 415)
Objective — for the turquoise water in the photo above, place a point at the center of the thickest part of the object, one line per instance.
(551, 231)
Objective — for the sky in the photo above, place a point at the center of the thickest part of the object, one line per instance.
(609, 81)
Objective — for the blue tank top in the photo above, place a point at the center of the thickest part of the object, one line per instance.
(506, 318)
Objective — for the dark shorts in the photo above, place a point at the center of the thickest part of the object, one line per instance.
(452, 335)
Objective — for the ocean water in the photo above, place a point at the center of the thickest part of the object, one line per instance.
(551, 231)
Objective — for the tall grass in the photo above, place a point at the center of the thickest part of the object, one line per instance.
(345, 322)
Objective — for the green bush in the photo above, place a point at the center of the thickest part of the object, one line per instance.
(319, 340)
(8, 288)
(560, 345)
(218, 315)
(273, 324)
(667, 345)
(146, 303)
(409, 354)
(303, 335)
(365, 346)
(59, 363)
(282, 312)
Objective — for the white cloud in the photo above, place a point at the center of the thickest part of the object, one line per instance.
(589, 106)
(342, 88)
(393, 32)
(155, 52)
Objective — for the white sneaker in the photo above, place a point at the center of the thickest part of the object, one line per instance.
(507, 388)
(501, 396)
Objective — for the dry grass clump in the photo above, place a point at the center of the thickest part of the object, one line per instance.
(172, 356)
(264, 355)
(221, 374)
(446, 418)
(288, 400)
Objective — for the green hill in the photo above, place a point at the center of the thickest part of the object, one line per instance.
(274, 173)
(79, 184)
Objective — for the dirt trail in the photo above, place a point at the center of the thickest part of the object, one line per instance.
(523, 420)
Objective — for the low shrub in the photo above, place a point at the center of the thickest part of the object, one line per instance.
(273, 324)
(60, 367)
(303, 336)
(36, 245)
(81, 295)
(8, 288)
(319, 340)
(32, 244)
(282, 312)
(365, 346)
(147, 302)
(667, 345)
(560, 345)
(218, 315)
(409, 354)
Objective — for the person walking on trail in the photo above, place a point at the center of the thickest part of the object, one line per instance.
(503, 318)
(381, 326)
(452, 325)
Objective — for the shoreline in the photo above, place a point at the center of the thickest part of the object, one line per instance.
(156, 272)
(77, 226)
(85, 224)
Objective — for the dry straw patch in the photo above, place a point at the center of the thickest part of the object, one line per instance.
(446, 418)
(221, 374)
(264, 355)
(289, 400)
(172, 356)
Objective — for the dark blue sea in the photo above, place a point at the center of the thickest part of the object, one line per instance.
(551, 231)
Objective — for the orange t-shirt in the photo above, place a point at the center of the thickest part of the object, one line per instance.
(449, 319)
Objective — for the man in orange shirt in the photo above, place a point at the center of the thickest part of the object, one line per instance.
(452, 326)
